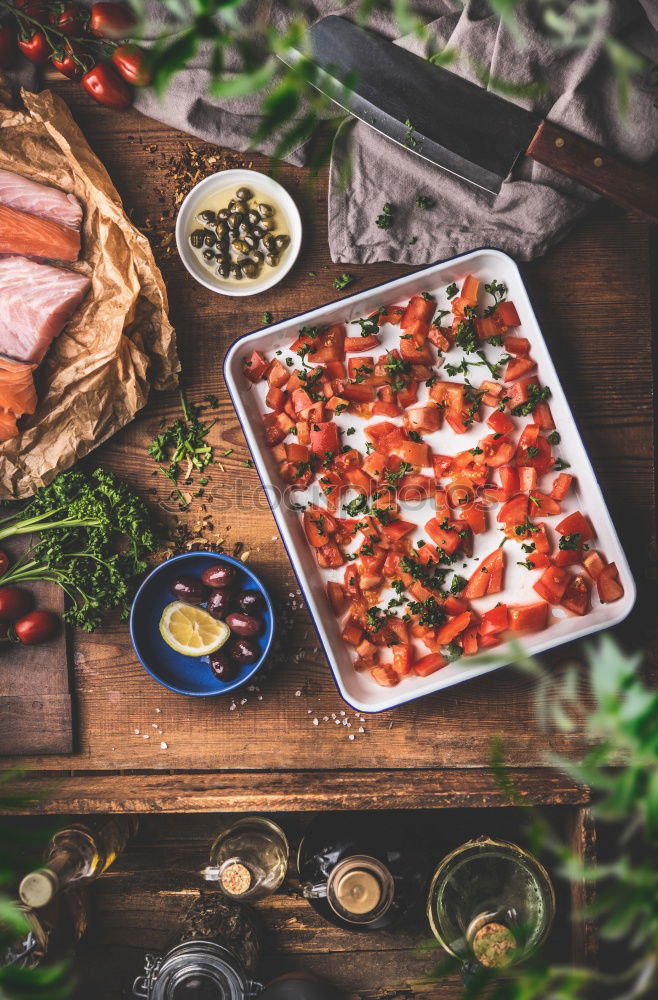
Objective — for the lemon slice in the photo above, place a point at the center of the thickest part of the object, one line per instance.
(191, 630)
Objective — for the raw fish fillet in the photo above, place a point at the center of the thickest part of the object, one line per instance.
(17, 391)
(38, 199)
(8, 428)
(36, 302)
(37, 237)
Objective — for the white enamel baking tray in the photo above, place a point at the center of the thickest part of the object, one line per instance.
(358, 689)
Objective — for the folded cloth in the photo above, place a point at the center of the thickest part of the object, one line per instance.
(536, 206)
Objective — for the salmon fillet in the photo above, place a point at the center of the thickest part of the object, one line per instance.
(36, 303)
(17, 391)
(36, 237)
(20, 192)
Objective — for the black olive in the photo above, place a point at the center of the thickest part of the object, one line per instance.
(209, 238)
(244, 624)
(250, 268)
(271, 259)
(189, 589)
(206, 216)
(223, 214)
(234, 220)
(223, 667)
(244, 194)
(240, 246)
(208, 255)
(250, 601)
(242, 649)
(221, 228)
(219, 603)
(268, 225)
(253, 218)
(224, 270)
(219, 575)
(266, 211)
(281, 241)
(197, 237)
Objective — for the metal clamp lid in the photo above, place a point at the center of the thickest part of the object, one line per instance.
(201, 963)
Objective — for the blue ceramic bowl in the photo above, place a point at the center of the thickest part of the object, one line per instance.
(188, 674)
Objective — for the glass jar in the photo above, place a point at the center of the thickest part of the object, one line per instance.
(249, 860)
(491, 903)
(213, 956)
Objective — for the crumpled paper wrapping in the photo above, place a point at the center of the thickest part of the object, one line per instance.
(97, 373)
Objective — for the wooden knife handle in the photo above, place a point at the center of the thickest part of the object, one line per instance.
(589, 164)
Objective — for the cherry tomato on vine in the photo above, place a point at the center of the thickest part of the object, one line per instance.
(7, 46)
(112, 20)
(70, 20)
(133, 64)
(4, 562)
(107, 87)
(14, 603)
(35, 627)
(35, 48)
(66, 63)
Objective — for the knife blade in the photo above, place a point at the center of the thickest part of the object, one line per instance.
(453, 123)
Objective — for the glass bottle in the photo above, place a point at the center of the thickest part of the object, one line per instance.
(249, 860)
(77, 854)
(50, 932)
(362, 872)
(213, 956)
(491, 903)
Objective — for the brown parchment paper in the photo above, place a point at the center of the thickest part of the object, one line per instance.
(97, 373)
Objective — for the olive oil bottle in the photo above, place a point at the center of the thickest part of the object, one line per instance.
(491, 903)
(76, 855)
(249, 859)
(360, 871)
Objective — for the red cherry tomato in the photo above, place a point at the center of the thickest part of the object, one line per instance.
(14, 603)
(7, 46)
(133, 64)
(36, 627)
(107, 87)
(66, 64)
(70, 20)
(35, 48)
(112, 20)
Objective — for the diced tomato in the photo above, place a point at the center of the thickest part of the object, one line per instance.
(409, 394)
(538, 560)
(414, 347)
(487, 326)
(527, 478)
(324, 438)
(576, 524)
(470, 640)
(334, 342)
(453, 628)
(500, 423)
(351, 582)
(354, 345)
(470, 289)
(276, 399)
(514, 511)
(382, 409)
(492, 393)
(391, 314)
(536, 453)
(506, 312)
(561, 486)
(352, 633)
(474, 516)
(552, 584)
(594, 564)
(337, 597)
(429, 664)
(440, 337)
(528, 617)
(447, 538)
(568, 557)
(448, 394)
(363, 367)
(255, 366)
(358, 480)
(329, 556)
(278, 375)
(541, 539)
(609, 585)
(509, 480)
(424, 418)
(296, 452)
(441, 465)
(419, 310)
(543, 417)
(374, 465)
(488, 577)
(402, 659)
(385, 675)
(397, 530)
(541, 505)
(517, 345)
(378, 431)
(414, 452)
(577, 596)
(497, 452)
(277, 427)
(494, 621)
(358, 392)
(518, 367)
(519, 392)
(416, 488)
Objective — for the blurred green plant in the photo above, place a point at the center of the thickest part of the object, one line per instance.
(618, 713)
(239, 43)
(47, 982)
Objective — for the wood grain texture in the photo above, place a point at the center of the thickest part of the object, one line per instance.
(592, 295)
(630, 187)
(35, 703)
(291, 791)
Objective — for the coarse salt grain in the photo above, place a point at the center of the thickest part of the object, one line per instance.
(316, 722)
(351, 736)
(136, 732)
(163, 745)
(298, 694)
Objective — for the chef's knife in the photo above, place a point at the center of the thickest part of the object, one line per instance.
(454, 123)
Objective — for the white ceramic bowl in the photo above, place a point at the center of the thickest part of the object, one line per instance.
(220, 187)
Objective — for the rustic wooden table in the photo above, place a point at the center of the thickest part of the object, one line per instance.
(592, 293)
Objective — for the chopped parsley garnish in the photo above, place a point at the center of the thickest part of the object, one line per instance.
(394, 477)
(452, 290)
(350, 431)
(553, 437)
(343, 281)
(423, 201)
(560, 464)
(429, 612)
(266, 317)
(370, 326)
(570, 543)
(385, 220)
(309, 331)
(499, 291)
(536, 395)
(527, 564)
(357, 506)
(520, 529)
(532, 451)
(415, 436)
(457, 584)
(410, 140)
(453, 652)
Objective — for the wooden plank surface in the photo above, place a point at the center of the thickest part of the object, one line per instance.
(35, 703)
(592, 293)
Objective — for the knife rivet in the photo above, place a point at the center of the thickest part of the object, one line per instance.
(559, 142)
(598, 161)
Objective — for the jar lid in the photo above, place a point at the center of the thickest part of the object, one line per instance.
(200, 970)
